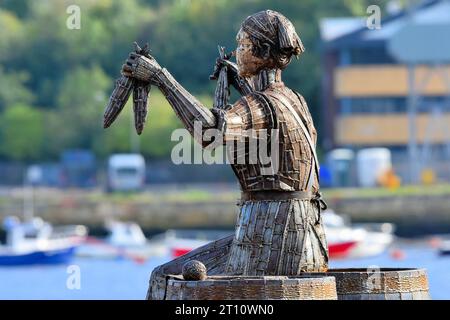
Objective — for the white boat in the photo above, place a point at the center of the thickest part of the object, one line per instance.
(180, 242)
(444, 248)
(124, 240)
(370, 239)
(176, 243)
(344, 240)
(37, 242)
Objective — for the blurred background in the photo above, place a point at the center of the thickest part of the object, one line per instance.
(88, 213)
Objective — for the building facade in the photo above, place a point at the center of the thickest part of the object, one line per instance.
(365, 90)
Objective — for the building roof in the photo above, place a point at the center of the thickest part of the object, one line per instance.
(333, 28)
(344, 32)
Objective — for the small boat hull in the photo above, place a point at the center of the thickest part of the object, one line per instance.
(335, 250)
(444, 248)
(340, 250)
(178, 252)
(57, 256)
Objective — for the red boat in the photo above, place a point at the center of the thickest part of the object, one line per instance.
(335, 250)
(340, 250)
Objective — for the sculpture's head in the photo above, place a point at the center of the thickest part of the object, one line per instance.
(266, 40)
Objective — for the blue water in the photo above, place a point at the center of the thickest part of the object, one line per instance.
(126, 279)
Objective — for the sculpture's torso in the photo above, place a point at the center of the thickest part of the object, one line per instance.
(276, 236)
(294, 153)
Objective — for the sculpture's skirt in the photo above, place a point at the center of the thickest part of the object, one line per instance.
(282, 237)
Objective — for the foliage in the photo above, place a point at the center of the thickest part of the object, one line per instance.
(54, 81)
(22, 133)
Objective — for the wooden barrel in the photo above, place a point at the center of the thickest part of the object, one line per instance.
(380, 284)
(252, 288)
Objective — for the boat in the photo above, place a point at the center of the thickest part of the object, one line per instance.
(368, 239)
(340, 249)
(178, 242)
(344, 240)
(124, 240)
(37, 242)
(444, 248)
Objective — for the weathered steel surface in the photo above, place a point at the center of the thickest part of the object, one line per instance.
(194, 270)
(272, 109)
(121, 93)
(383, 284)
(141, 92)
(273, 236)
(213, 255)
(278, 232)
(278, 238)
(252, 288)
(117, 100)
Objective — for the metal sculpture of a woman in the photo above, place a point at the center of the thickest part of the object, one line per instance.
(279, 228)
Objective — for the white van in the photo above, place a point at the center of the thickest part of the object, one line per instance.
(126, 172)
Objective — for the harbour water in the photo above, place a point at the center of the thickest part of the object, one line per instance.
(126, 279)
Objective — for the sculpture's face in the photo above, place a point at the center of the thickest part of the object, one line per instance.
(248, 64)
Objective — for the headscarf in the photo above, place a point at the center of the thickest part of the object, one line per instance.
(272, 28)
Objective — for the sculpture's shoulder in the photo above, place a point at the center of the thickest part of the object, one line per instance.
(252, 100)
(285, 97)
(302, 105)
(291, 106)
(249, 112)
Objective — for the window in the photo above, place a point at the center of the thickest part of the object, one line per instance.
(385, 105)
(370, 55)
(127, 171)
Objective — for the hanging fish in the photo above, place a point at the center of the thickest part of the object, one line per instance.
(121, 93)
(141, 92)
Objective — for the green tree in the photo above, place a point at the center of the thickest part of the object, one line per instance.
(117, 138)
(162, 121)
(155, 140)
(12, 29)
(21, 133)
(18, 7)
(67, 75)
(78, 118)
(13, 89)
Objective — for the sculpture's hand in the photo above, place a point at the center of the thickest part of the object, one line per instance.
(220, 63)
(217, 67)
(141, 67)
(241, 84)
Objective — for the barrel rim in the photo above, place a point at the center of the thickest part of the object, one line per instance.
(383, 270)
(253, 287)
(254, 279)
(351, 281)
